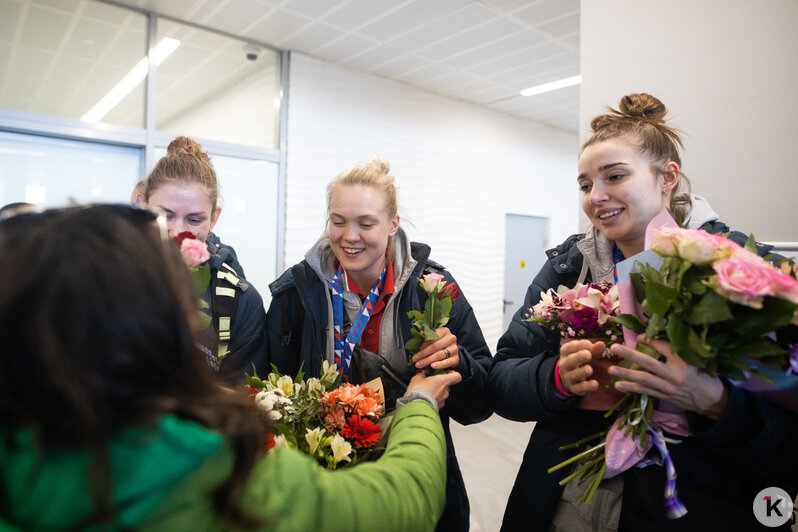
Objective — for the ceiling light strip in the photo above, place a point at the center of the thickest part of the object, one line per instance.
(131, 80)
(552, 86)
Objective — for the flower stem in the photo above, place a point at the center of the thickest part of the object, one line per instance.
(581, 470)
(583, 440)
(577, 457)
(591, 490)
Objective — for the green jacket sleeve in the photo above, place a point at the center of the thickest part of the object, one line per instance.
(402, 490)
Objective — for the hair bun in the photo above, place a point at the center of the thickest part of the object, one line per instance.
(184, 146)
(642, 106)
(381, 166)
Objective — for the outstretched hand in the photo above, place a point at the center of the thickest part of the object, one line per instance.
(437, 385)
(672, 380)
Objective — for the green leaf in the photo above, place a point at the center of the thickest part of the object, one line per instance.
(757, 348)
(254, 381)
(697, 345)
(750, 244)
(202, 277)
(442, 309)
(415, 315)
(660, 297)
(656, 324)
(414, 344)
(630, 321)
(677, 332)
(774, 314)
(639, 284)
(429, 334)
(712, 308)
(648, 350)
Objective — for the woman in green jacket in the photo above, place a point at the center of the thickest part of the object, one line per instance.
(111, 420)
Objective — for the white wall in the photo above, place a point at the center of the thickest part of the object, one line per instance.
(459, 169)
(727, 72)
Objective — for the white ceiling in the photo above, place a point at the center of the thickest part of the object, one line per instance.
(483, 52)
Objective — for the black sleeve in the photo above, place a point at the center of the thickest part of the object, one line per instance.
(247, 339)
(467, 402)
(521, 379)
(284, 321)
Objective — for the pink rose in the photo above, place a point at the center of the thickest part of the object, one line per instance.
(194, 252)
(431, 281)
(784, 286)
(693, 245)
(745, 282)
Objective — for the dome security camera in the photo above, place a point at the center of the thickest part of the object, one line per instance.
(251, 52)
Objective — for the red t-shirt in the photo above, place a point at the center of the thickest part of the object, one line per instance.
(370, 339)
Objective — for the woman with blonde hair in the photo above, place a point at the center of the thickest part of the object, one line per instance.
(362, 278)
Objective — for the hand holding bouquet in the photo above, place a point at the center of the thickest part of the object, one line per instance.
(335, 425)
(719, 307)
(441, 295)
(584, 312)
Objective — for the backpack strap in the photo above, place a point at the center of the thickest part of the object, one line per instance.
(226, 288)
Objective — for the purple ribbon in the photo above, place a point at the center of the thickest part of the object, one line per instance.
(623, 452)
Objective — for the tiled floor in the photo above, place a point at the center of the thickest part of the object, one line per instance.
(489, 454)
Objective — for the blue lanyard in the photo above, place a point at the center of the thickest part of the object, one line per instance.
(344, 348)
(617, 257)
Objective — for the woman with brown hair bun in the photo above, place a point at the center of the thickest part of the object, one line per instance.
(111, 419)
(629, 172)
(183, 188)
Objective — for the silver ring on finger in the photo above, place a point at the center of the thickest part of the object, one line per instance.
(446, 352)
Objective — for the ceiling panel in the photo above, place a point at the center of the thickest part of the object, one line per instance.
(482, 51)
(541, 12)
(312, 37)
(471, 39)
(561, 26)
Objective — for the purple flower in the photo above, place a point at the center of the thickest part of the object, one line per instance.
(585, 318)
(793, 369)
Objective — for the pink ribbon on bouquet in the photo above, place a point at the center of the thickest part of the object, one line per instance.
(623, 452)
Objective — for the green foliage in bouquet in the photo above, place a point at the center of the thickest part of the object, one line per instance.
(336, 425)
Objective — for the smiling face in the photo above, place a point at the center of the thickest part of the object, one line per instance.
(360, 227)
(187, 207)
(621, 192)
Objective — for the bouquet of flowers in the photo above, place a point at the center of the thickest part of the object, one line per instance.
(581, 312)
(336, 425)
(723, 309)
(441, 297)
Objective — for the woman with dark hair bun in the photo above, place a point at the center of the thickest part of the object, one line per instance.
(629, 172)
(111, 419)
(183, 188)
